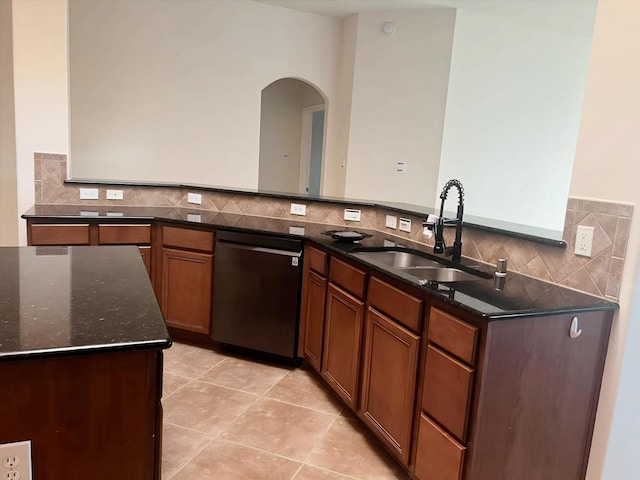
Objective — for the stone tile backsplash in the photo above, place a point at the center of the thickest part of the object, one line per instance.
(599, 275)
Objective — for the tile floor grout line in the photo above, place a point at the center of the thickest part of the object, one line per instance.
(302, 406)
(320, 437)
(229, 388)
(189, 459)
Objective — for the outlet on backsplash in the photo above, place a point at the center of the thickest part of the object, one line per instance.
(405, 225)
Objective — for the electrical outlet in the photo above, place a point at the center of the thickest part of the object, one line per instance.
(352, 214)
(298, 209)
(89, 194)
(16, 461)
(391, 221)
(584, 241)
(405, 225)
(114, 195)
(401, 167)
(194, 198)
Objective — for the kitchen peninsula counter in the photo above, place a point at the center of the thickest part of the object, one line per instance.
(81, 339)
(519, 296)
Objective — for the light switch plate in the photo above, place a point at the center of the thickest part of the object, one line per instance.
(401, 167)
(391, 221)
(89, 194)
(194, 217)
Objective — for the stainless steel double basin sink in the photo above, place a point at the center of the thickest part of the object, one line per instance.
(421, 268)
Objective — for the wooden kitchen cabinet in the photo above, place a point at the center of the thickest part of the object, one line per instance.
(312, 307)
(187, 279)
(342, 343)
(389, 381)
(390, 365)
(315, 288)
(128, 234)
(58, 234)
(93, 232)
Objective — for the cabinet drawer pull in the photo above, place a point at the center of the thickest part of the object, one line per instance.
(574, 330)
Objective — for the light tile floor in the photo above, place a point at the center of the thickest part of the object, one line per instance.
(228, 418)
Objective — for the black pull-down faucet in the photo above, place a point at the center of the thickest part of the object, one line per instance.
(456, 249)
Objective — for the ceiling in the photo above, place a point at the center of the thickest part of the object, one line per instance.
(571, 16)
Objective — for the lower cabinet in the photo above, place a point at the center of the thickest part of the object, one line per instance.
(315, 288)
(441, 456)
(342, 340)
(389, 381)
(186, 290)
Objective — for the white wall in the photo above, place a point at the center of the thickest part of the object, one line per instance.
(397, 109)
(194, 72)
(8, 179)
(513, 111)
(606, 167)
(40, 90)
(281, 133)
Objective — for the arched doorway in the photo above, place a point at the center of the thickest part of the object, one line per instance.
(292, 130)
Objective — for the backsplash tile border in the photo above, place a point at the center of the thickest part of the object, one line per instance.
(599, 275)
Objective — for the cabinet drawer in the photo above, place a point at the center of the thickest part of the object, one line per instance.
(189, 239)
(446, 392)
(437, 455)
(401, 306)
(67, 234)
(316, 260)
(124, 234)
(453, 335)
(348, 277)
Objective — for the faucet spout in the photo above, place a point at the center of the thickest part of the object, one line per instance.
(440, 247)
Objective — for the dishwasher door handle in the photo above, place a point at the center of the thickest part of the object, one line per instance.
(252, 248)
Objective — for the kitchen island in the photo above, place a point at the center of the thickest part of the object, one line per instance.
(81, 340)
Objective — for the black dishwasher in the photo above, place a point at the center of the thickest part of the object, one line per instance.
(256, 292)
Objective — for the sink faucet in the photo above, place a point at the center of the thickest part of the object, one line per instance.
(438, 223)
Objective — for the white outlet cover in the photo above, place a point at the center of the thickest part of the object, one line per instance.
(298, 209)
(296, 230)
(16, 457)
(194, 198)
(584, 241)
(352, 214)
(89, 194)
(115, 195)
(405, 225)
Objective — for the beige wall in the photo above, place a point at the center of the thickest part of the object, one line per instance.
(195, 83)
(8, 179)
(607, 167)
(398, 104)
(513, 111)
(40, 89)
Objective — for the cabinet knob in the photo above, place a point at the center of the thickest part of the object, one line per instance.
(574, 330)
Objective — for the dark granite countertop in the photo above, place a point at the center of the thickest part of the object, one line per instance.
(520, 295)
(66, 300)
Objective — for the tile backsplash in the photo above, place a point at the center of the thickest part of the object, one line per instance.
(599, 275)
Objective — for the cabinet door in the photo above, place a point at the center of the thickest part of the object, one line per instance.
(343, 331)
(389, 381)
(145, 253)
(186, 290)
(438, 455)
(315, 293)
